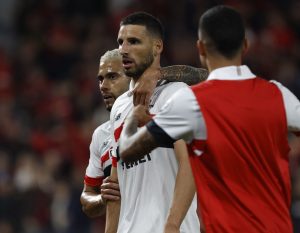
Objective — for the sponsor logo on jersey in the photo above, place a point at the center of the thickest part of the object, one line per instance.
(146, 158)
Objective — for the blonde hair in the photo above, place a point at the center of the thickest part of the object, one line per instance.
(111, 54)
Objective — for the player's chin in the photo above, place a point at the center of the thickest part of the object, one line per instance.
(130, 72)
(108, 105)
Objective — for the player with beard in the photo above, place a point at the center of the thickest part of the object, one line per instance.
(98, 187)
(112, 83)
(152, 188)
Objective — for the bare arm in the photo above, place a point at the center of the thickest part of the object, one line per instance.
(184, 191)
(134, 145)
(112, 208)
(92, 202)
(183, 73)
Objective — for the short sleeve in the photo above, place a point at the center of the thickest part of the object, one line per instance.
(94, 172)
(180, 117)
(292, 108)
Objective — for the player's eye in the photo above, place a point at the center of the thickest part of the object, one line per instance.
(100, 78)
(112, 76)
(134, 41)
(120, 41)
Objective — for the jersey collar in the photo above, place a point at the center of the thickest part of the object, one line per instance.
(231, 73)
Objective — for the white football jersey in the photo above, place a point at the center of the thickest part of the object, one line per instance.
(147, 185)
(99, 162)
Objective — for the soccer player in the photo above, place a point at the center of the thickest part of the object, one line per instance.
(147, 185)
(236, 127)
(112, 83)
(98, 187)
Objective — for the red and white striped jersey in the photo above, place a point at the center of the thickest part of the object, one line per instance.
(99, 163)
(147, 185)
(236, 125)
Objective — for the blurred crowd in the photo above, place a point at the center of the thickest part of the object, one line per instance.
(50, 101)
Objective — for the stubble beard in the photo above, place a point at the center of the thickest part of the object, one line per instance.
(137, 73)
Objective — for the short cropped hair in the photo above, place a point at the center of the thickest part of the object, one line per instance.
(110, 54)
(152, 24)
(224, 30)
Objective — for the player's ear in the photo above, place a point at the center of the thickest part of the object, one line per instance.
(245, 46)
(201, 47)
(158, 47)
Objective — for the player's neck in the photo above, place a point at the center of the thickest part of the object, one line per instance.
(219, 62)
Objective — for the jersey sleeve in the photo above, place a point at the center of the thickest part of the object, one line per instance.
(114, 144)
(292, 108)
(179, 118)
(94, 173)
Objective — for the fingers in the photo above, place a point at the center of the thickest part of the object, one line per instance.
(142, 100)
(142, 93)
(108, 183)
(133, 92)
(110, 190)
(108, 197)
(109, 179)
(147, 100)
(111, 193)
(111, 185)
(139, 97)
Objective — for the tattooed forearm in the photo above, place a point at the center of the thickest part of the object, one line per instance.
(183, 73)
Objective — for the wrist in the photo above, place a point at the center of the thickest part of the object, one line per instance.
(173, 221)
(131, 120)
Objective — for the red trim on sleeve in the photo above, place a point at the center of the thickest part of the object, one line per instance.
(104, 157)
(93, 181)
(118, 132)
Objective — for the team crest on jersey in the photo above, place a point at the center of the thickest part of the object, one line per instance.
(105, 143)
(118, 117)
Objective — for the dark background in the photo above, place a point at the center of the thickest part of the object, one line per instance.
(50, 103)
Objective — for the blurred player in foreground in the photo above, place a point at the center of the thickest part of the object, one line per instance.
(236, 127)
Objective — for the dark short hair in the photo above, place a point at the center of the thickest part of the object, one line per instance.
(224, 29)
(152, 24)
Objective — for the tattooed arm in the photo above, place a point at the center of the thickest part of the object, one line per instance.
(145, 85)
(183, 73)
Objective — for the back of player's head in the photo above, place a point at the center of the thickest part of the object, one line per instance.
(223, 29)
(152, 24)
(111, 54)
